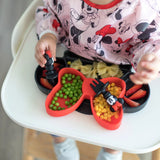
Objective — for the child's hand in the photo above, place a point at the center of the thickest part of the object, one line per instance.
(47, 42)
(147, 69)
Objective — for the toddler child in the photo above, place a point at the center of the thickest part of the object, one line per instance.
(114, 31)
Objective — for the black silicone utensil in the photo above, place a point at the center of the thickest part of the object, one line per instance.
(51, 74)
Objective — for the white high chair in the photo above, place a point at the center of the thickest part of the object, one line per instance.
(24, 103)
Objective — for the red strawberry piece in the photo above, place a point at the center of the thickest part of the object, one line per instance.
(133, 89)
(130, 102)
(57, 69)
(56, 64)
(139, 94)
(44, 73)
(45, 83)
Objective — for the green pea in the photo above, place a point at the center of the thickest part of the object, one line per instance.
(78, 77)
(66, 103)
(70, 92)
(57, 94)
(80, 86)
(53, 102)
(67, 92)
(79, 81)
(50, 106)
(54, 108)
(74, 99)
(63, 78)
(55, 98)
(69, 75)
(69, 84)
(76, 87)
(66, 75)
(73, 76)
(65, 85)
(79, 91)
(65, 96)
(60, 91)
(71, 101)
(75, 91)
(74, 81)
(59, 108)
(70, 95)
(61, 95)
(57, 104)
(69, 78)
(64, 90)
(75, 95)
(80, 94)
(63, 81)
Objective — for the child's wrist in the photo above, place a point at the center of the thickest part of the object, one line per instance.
(50, 35)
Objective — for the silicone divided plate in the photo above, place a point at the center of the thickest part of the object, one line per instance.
(87, 93)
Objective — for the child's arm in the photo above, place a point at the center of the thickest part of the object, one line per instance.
(48, 29)
(146, 57)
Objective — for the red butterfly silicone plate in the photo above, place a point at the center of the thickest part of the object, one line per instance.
(87, 93)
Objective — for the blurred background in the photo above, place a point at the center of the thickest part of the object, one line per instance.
(11, 135)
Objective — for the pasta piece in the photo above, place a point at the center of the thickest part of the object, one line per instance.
(76, 64)
(86, 69)
(113, 70)
(105, 75)
(92, 74)
(95, 66)
(101, 68)
(119, 74)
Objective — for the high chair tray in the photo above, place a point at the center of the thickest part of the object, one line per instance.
(24, 103)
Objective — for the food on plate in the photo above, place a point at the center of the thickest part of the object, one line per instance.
(69, 93)
(138, 94)
(97, 69)
(130, 102)
(102, 108)
(133, 89)
(44, 82)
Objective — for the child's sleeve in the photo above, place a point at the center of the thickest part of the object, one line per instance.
(47, 20)
(142, 47)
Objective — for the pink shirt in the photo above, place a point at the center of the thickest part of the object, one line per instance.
(119, 32)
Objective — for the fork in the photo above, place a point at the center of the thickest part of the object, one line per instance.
(100, 88)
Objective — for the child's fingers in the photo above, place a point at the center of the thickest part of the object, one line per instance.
(148, 65)
(153, 65)
(54, 55)
(40, 47)
(136, 79)
(39, 55)
(149, 75)
(41, 60)
(142, 78)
